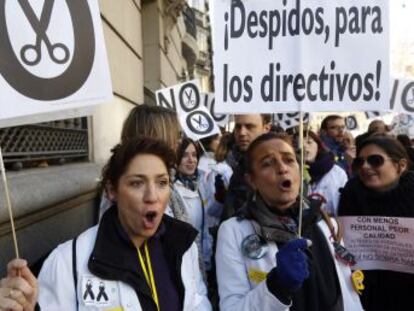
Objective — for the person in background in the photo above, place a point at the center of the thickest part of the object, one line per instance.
(383, 186)
(375, 127)
(350, 148)
(137, 258)
(223, 157)
(326, 177)
(197, 195)
(406, 142)
(217, 173)
(159, 123)
(247, 128)
(261, 264)
(332, 135)
(207, 160)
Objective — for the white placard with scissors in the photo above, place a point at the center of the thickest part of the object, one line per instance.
(53, 58)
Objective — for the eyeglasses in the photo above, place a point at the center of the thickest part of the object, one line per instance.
(374, 160)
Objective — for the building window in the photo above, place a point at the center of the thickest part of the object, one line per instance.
(45, 144)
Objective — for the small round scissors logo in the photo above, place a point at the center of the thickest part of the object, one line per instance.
(199, 122)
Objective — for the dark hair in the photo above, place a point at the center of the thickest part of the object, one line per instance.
(321, 146)
(266, 118)
(276, 128)
(392, 147)
(248, 163)
(327, 119)
(404, 140)
(225, 145)
(152, 121)
(183, 146)
(375, 123)
(207, 141)
(123, 153)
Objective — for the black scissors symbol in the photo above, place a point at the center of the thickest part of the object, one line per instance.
(411, 101)
(40, 27)
(201, 123)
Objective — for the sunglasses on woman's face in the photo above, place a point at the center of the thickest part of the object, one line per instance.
(374, 160)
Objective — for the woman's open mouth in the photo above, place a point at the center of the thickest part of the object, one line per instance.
(150, 218)
(286, 185)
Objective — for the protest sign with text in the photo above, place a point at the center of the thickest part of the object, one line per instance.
(315, 55)
(198, 123)
(380, 243)
(168, 98)
(53, 59)
(402, 98)
(185, 98)
(209, 101)
(180, 97)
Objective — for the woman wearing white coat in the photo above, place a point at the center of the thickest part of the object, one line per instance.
(137, 258)
(261, 264)
(326, 178)
(197, 194)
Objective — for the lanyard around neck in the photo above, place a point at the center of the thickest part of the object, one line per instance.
(148, 273)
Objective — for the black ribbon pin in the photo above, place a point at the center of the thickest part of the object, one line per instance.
(102, 292)
(88, 291)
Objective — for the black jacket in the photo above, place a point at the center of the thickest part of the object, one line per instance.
(384, 290)
(114, 257)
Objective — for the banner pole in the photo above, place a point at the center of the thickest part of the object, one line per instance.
(8, 202)
(307, 129)
(301, 194)
(204, 149)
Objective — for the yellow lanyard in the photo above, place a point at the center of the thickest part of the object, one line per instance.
(149, 276)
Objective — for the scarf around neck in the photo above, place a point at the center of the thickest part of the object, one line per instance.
(189, 181)
(278, 226)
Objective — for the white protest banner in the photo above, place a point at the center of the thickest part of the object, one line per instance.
(383, 243)
(402, 98)
(290, 119)
(170, 96)
(185, 98)
(198, 123)
(314, 55)
(210, 102)
(180, 97)
(53, 58)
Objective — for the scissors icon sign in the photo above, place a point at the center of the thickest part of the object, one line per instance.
(411, 100)
(58, 52)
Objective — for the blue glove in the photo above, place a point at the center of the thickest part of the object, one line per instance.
(291, 270)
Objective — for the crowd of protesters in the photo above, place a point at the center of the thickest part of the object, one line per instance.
(216, 225)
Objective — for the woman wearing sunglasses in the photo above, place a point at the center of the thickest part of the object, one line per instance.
(383, 186)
